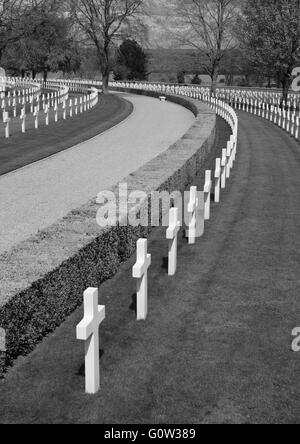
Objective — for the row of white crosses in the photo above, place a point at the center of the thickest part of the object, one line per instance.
(236, 96)
(263, 104)
(20, 92)
(28, 95)
(79, 105)
(94, 315)
(88, 329)
(268, 106)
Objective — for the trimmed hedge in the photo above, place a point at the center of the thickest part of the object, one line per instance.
(43, 278)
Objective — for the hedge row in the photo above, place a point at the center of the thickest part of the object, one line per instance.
(43, 278)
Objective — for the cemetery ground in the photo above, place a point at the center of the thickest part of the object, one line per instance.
(22, 149)
(216, 347)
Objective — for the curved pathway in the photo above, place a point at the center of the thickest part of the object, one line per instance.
(216, 347)
(35, 196)
(23, 149)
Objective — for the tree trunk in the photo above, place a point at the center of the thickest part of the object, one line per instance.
(105, 79)
(214, 78)
(285, 91)
(45, 76)
(33, 74)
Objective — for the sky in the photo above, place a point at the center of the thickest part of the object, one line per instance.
(156, 20)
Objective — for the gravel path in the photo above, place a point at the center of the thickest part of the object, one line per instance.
(216, 347)
(23, 149)
(34, 197)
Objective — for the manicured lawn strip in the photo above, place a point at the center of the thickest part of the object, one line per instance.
(216, 345)
(23, 149)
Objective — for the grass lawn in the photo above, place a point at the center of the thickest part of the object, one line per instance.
(23, 149)
(216, 345)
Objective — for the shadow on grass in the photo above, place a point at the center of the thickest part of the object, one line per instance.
(165, 264)
(133, 306)
(81, 371)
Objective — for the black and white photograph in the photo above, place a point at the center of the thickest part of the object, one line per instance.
(149, 215)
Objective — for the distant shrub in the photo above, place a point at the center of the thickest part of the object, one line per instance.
(196, 80)
(243, 82)
(181, 77)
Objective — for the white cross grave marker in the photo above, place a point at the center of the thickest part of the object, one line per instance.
(228, 162)
(23, 119)
(88, 331)
(36, 117)
(172, 236)
(217, 180)
(6, 120)
(223, 167)
(55, 112)
(140, 272)
(192, 211)
(47, 115)
(207, 194)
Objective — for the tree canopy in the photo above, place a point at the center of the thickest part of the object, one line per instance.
(269, 32)
(131, 62)
(40, 39)
(44, 46)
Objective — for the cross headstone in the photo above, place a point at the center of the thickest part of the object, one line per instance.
(23, 119)
(64, 110)
(36, 117)
(6, 120)
(55, 111)
(223, 168)
(207, 194)
(228, 162)
(140, 272)
(217, 180)
(88, 331)
(172, 236)
(47, 115)
(14, 108)
(192, 212)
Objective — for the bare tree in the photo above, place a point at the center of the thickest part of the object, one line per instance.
(102, 23)
(207, 25)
